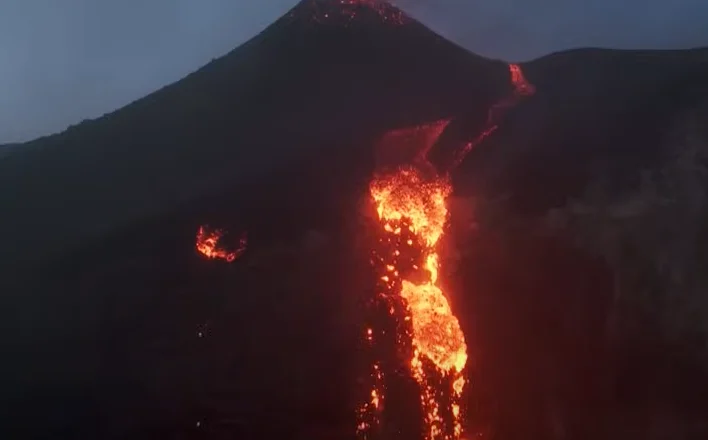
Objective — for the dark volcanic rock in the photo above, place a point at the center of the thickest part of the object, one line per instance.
(297, 89)
(581, 285)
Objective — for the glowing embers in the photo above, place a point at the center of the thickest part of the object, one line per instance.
(413, 214)
(209, 243)
(345, 12)
(369, 412)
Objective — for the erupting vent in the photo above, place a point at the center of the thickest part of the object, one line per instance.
(343, 12)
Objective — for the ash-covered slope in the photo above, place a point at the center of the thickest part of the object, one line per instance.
(324, 72)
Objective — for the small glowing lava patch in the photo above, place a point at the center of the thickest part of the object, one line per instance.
(208, 243)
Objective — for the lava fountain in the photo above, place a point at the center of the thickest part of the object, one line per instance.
(411, 204)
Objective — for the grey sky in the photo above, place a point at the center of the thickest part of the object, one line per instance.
(62, 61)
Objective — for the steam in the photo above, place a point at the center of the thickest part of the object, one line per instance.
(652, 236)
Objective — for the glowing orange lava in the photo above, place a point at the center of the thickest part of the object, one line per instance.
(406, 201)
(522, 89)
(521, 86)
(412, 211)
(207, 244)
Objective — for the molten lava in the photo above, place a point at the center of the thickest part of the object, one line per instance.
(407, 203)
(208, 244)
(412, 211)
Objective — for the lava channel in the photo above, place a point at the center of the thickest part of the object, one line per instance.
(411, 203)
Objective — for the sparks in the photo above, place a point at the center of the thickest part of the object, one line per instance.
(208, 244)
(345, 12)
(368, 414)
(406, 201)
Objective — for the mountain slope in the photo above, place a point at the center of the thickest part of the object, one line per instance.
(244, 114)
(6, 149)
(597, 112)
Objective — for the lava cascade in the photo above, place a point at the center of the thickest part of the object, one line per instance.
(411, 204)
(208, 243)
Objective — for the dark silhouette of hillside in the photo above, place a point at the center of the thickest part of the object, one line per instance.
(298, 85)
(6, 149)
(588, 201)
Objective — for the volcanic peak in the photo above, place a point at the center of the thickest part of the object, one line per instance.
(347, 12)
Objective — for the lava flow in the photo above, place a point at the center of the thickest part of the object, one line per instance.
(412, 211)
(410, 205)
(522, 88)
(208, 244)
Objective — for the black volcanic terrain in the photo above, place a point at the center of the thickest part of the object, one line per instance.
(579, 234)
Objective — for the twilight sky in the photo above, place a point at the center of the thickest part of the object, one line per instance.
(62, 61)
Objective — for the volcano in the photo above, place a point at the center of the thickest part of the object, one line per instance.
(572, 255)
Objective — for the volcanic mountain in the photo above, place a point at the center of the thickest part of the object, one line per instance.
(366, 74)
(578, 230)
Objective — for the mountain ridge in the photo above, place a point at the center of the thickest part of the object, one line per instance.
(577, 240)
(218, 88)
(174, 135)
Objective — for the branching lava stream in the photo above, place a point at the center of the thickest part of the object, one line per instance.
(411, 207)
(411, 203)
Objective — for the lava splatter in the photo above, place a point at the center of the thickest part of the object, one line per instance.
(208, 243)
